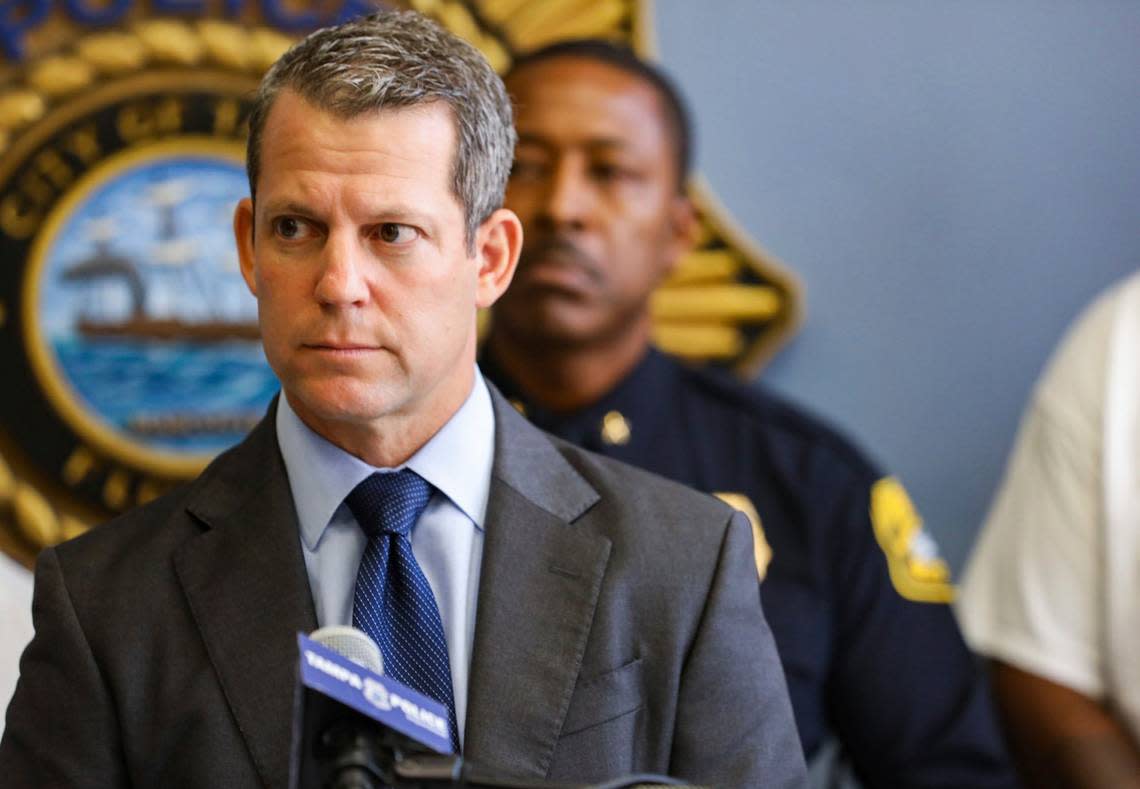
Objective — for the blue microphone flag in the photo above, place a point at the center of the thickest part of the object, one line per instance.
(375, 696)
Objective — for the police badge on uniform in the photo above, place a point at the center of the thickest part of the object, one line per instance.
(916, 571)
(761, 549)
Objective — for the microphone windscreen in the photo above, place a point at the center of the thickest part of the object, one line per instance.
(351, 643)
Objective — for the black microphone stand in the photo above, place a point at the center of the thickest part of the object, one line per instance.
(352, 757)
(437, 772)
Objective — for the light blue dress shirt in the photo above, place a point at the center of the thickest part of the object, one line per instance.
(447, 540)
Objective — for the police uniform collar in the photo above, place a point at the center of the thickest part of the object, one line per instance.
(634, 407)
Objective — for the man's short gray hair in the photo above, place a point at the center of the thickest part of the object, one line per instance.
(396, 59)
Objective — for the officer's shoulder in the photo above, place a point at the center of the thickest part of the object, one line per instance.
(790, 430)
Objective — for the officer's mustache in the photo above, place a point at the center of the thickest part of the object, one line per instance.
(560, 249)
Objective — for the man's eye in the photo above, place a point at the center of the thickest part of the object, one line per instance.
(289, 227)
(532, 170)
(395, 233)
(607, 171)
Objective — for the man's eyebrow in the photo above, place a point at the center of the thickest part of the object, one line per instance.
(602, 143)
(399, 213)
(392, 213)
(287, 207)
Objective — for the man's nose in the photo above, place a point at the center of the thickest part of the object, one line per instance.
(569, 197)
(343, 277)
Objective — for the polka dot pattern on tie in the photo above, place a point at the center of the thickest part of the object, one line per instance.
(393, 602)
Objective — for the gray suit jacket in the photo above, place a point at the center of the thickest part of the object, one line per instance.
(619, 629)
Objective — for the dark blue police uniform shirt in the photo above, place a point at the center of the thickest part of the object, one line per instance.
(890, 677)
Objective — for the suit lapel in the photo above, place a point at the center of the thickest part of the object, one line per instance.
(244, 578)
(538, 590)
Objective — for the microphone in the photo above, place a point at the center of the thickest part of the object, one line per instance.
(354, 728)
(351, 724)
(353, 644)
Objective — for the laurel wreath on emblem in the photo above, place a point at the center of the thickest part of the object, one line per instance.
(728, 301)
(117, 53)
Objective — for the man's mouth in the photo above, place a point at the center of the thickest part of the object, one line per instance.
(560, 265)
(340, 347)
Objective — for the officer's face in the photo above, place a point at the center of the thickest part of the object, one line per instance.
(594, 184)
(356, 253)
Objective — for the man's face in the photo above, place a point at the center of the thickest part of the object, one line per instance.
(594, 184)
(355, 251)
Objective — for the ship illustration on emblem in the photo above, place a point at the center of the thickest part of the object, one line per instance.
(175, 262)
(151, 330)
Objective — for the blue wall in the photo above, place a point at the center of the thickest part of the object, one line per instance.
(952, 181)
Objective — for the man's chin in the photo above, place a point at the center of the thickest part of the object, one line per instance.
(340, 404)
(553, 325)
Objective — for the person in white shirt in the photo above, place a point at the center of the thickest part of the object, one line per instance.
(1052, 591)
(15, 623)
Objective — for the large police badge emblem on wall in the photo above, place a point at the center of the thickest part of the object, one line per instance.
(128, 342)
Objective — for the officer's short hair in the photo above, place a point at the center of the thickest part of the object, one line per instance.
(676, 114)
(393, 60)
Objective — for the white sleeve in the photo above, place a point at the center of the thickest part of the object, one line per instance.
(1032, 594)
(15, 625)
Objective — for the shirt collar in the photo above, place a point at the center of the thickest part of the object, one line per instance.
(456, 461)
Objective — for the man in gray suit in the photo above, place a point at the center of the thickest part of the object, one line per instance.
(590, 620)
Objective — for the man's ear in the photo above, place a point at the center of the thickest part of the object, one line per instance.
(243, 238)
(683, 230)
(498, 243)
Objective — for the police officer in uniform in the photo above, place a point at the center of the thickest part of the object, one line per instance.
(881, 682)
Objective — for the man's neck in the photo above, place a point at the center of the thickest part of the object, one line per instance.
(567, 378)
(389, 441)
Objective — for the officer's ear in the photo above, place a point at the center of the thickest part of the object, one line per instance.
(684, 228)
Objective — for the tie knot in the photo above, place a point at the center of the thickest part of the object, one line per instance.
(389, 502)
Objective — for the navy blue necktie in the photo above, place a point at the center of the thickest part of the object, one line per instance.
(393, 602)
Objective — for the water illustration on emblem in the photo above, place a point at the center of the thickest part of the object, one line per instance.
(143, 305)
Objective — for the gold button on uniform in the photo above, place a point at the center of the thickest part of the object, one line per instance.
(615, 429)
